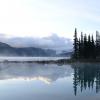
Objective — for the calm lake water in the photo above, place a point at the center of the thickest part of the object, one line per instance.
(27, 81)
(31, 58)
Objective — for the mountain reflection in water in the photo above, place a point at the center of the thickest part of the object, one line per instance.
(29, 71)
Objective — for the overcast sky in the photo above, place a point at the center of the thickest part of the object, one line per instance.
(41, 18)
(54, 42)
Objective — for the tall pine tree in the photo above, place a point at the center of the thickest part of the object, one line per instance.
(81, 46)
(85, 47)
(93, 48)
(75, 55)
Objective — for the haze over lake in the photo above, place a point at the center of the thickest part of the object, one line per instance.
(31, 81)
(31, 58)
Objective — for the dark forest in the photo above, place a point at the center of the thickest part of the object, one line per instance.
(85, 47)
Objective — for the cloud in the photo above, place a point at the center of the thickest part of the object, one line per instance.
(54, 42)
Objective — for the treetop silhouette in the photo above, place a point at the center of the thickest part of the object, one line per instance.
(85, 47)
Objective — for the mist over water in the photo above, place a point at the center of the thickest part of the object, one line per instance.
(31, 58)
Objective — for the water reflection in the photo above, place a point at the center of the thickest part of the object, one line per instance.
(66, 78)
(29, 71)
(86, 76)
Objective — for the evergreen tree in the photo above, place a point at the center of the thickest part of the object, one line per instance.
(97, 47)
(75, 55)
(82, 38)
(81, 46)
(79, 49)
(93, 47)
(85, 47)
(89, 47)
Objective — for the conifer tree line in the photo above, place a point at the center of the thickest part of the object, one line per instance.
(85, 47)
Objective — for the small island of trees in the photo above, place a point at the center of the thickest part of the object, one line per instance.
(85, 47)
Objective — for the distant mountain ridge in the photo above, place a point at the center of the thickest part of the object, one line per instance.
(7, 50)
(65, 54)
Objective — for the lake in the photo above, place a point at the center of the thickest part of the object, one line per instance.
(30, 81)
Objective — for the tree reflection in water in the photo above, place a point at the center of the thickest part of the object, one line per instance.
(86, 76)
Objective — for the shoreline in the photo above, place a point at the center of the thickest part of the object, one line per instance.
(60, 61)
